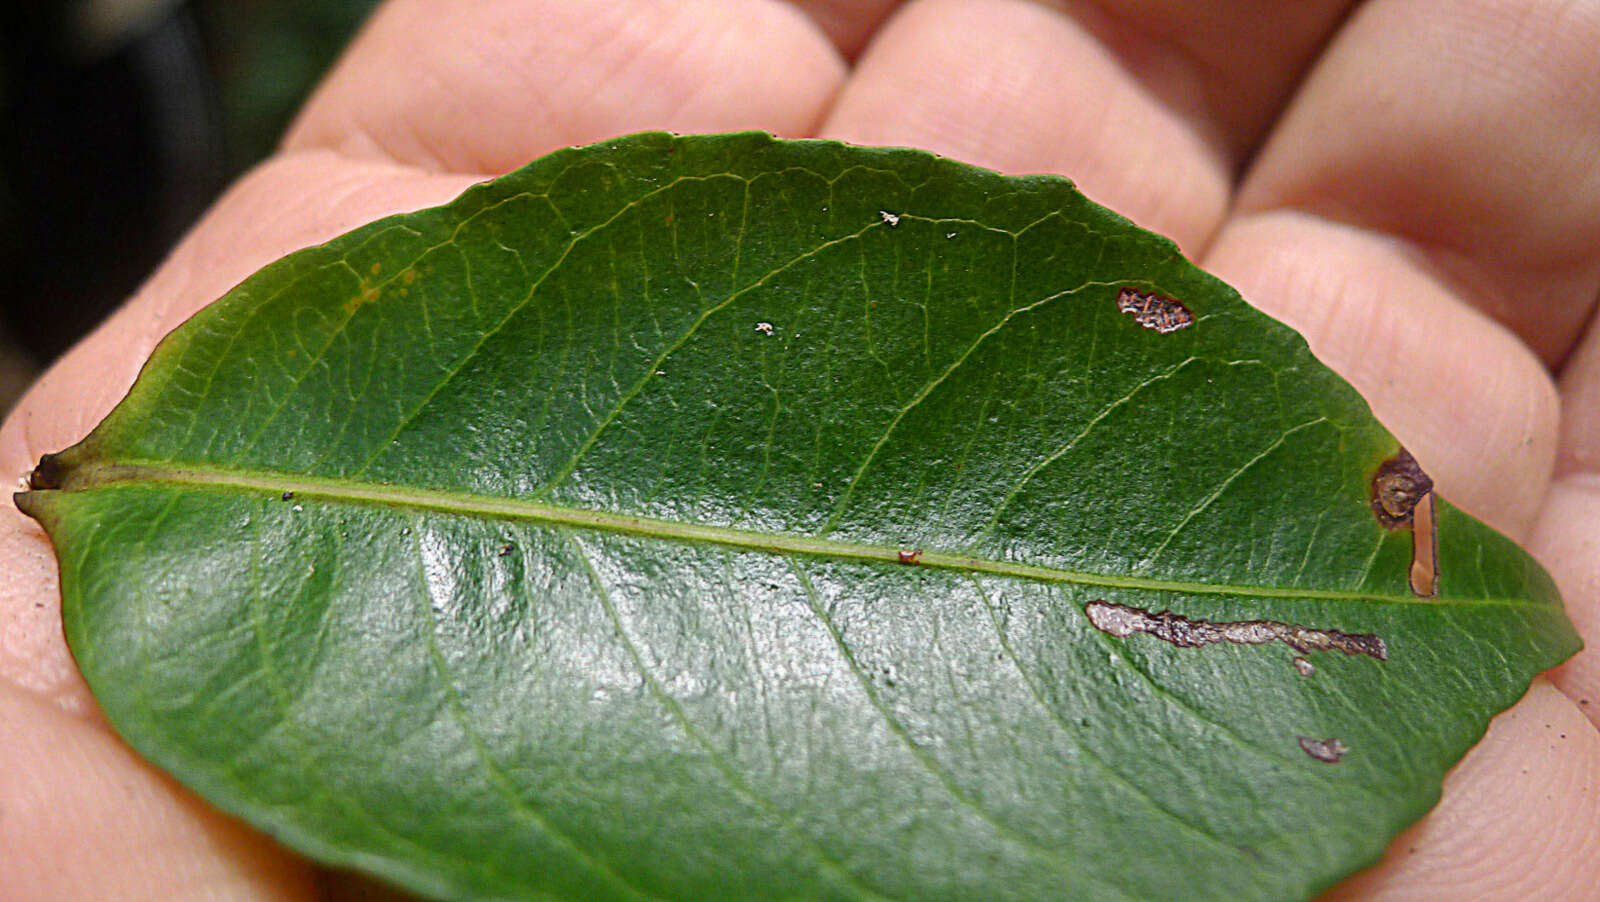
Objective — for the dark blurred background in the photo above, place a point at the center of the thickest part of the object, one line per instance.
(122, 120)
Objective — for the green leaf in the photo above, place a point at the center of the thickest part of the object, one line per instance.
(724, 517)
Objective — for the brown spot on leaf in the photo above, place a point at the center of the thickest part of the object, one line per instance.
(1402, 498)
(47, 474)
(1154, 311)
(1329, 750)
(1424, 550)
(368, 294)
(1303, 667)
(910, 557)
(1397, 488)
(1121, 620)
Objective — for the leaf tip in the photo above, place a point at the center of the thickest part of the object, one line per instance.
(31, 503)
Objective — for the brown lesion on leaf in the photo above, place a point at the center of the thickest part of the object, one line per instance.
(1397, 488)
(1424, 551)
(910, 556)
(1402, 498)
(1122, 620)
(1328, 750)
(369, 293)
(1154, 311)
(47, 475)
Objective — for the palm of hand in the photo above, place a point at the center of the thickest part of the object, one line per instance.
(1414, 194)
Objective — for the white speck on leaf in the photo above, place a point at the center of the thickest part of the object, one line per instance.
(764, 328)
(893, 219)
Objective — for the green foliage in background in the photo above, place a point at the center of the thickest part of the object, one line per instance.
(267, 57)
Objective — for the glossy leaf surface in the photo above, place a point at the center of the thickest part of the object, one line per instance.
(721, 517)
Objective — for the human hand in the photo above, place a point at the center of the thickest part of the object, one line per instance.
(1416, 193)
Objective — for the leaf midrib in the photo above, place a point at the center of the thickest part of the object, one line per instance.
(91, 475)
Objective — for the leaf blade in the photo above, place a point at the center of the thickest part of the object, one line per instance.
(527, 477)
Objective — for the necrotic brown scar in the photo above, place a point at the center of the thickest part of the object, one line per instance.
(1122, 621)
(1397, 487)
(1328, 750)
(1402, 498)
(1154, 311)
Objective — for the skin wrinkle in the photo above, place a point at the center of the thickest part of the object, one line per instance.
(1170, 71)
(1039, 94)
(595, 81)
(849, 24)
(1456, 265)
(1424, 169)
(701, 94)
(1215, 49)
(1567, 540)
(1580, 415)
(1502, 295)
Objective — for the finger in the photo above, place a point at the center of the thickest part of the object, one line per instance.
(1233, 62)
(1014, 86)
(1140, 103)
(1580, 407)
(285, 205)
(1519, 820)
(1567, 536)
(484, 87)
(848, 23)
(1474, 137)
(1464, 395)
(68, 787)
(1567, 540)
